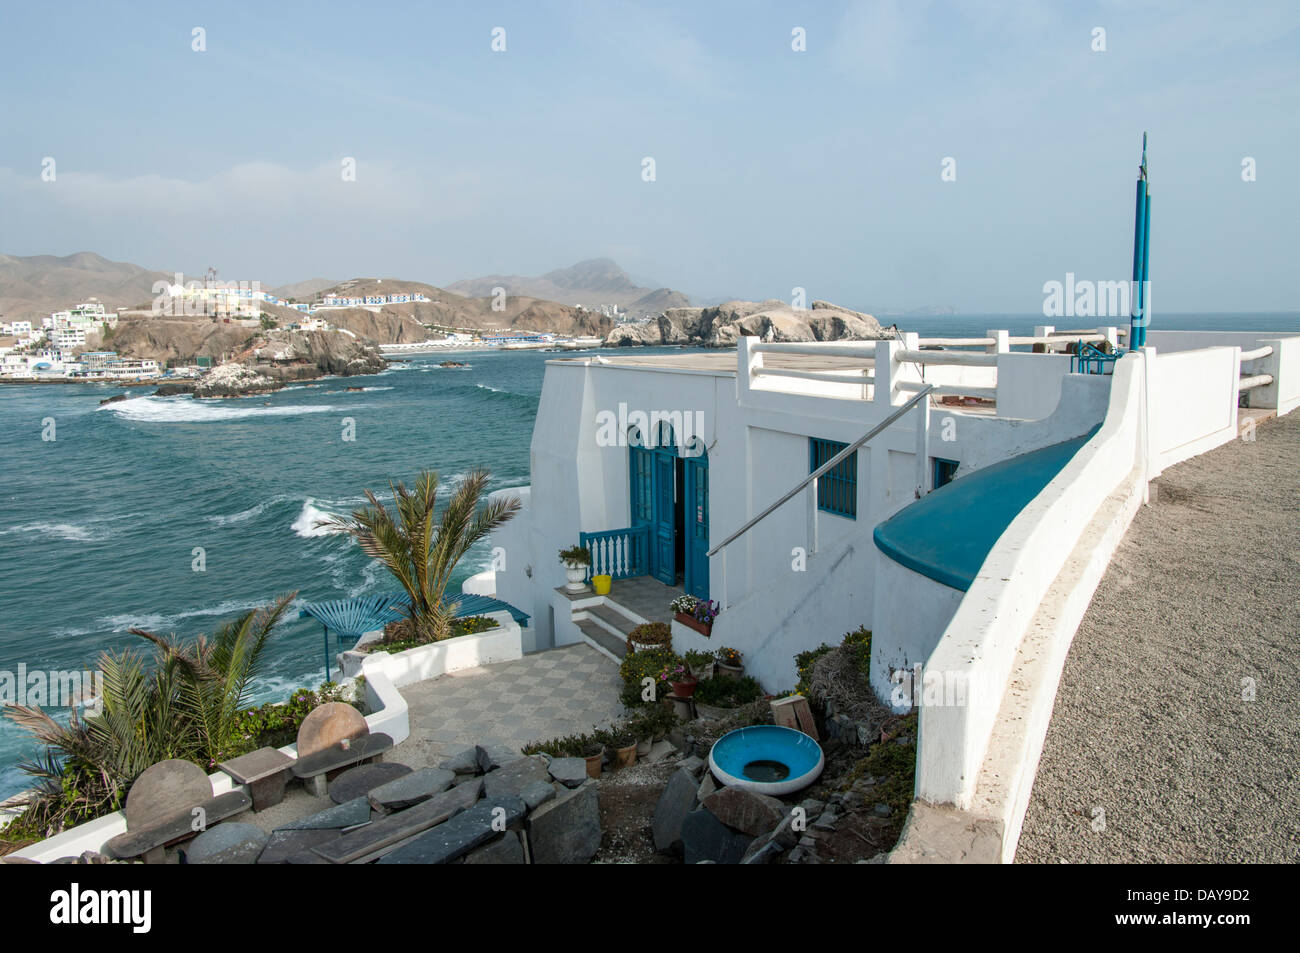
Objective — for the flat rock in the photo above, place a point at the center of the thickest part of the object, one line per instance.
(767, 852)
(745, 811)
(410, 789)
(537, 793)
(660, 750)
(705, 838)
(693, 764)
(295, 847)
(361, 780)
(348, 814)
(511, 779)
(462, 833)
(491, 757)
(566, 830)
(675, 803)
(464, 761)
(228, 843)
(571, 772)
(507, 849)
(163, 789)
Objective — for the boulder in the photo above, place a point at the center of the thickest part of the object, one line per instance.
(464, 761)
(567, 829)
(705, 838)
(675, 803)
(512, 778)
(491, 757)
(745, 811)
(571, 772)
(537, 793)
(507, 849)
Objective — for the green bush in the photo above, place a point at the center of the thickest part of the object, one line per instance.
(640, 665)
(728, 691)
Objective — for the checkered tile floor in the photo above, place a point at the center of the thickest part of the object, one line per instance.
(558, 692)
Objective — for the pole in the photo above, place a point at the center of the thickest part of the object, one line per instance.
(1138, 320)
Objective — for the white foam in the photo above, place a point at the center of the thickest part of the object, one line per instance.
(171, 410)
(69, 532)
(306, 525)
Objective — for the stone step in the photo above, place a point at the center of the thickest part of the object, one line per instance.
(602, 640)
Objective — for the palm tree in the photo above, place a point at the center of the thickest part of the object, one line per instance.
(185, 707)
(420, 553)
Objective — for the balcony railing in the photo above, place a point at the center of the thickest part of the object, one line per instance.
(620, 553)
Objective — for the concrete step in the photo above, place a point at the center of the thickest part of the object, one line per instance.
(613, 619)
(602, 640)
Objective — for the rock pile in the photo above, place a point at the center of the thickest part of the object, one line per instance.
(772, 320)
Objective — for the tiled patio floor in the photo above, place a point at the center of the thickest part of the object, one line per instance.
(558, 692)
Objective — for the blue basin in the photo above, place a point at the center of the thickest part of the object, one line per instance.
(767, 759)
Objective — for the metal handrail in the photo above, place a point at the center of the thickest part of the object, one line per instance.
(825, 467)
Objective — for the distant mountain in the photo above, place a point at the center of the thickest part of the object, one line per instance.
(304, 290)
(589, 283)
(32, 287)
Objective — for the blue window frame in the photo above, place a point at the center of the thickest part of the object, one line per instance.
(837, 490)
(944, 471)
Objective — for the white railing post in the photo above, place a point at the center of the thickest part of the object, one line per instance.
(922, 448)
(725, 603)
(812, 518)
(1001, 342)
(1112, 337)
(1044, 331)
(748, 360)
(886, 370)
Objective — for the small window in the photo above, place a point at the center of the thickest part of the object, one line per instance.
(837, 489)
(944, 471)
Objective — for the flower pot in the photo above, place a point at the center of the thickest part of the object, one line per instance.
(626, 756)
(593, 764)
(575, 575)
(643, 646)
(723, 668)
(686, 687)
(601, 584)
(643, 747)
(704, 628)
(701, 672)
(713, 712)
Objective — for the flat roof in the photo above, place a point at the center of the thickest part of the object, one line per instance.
(722, 361)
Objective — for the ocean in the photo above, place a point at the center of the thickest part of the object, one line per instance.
(99, 526)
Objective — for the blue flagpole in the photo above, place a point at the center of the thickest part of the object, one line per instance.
(1141, 233)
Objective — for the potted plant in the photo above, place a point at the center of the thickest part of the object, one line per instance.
(722, 695)
(682, 681)
(695, 613)
(700, 663)
(649, 637)
(590, 748)
(576, 559)
(729, 662)
(622, 742)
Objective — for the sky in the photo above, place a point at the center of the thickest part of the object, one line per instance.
(774, 168)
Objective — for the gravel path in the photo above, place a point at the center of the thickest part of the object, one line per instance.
(1150, 724)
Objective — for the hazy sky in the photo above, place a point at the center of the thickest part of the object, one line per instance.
(774, 168)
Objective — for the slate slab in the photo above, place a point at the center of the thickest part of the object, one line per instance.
(410, 789)
(537, 793)
(571, 772)
(745, 811)
(508, 849)
(705, 838)
(228, 843)
(660, 750)
(675, 803)
(361, 780)
(366, 843)
(491, 757)
(566, 830)
(295, 847)
(511, 779)
(461, 834)
(348, 814)
(464, 761)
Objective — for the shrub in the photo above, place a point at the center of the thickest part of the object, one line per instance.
(728, 691)
(396, 634)
(576, 556)
(641, 665)
(651, 633)
(803, 666)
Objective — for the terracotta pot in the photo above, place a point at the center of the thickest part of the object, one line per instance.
(686, 687)
(593, 764)
(627, 756)
(704, 628)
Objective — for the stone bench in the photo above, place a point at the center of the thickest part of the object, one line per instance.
(264, 772)
(171, 802)
(332, 737)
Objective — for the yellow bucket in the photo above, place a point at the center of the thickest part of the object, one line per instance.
(601, 584)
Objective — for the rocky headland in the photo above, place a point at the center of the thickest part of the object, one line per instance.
(771, 320)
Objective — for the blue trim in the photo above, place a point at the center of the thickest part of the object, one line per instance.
(946, 535)
(837, 490)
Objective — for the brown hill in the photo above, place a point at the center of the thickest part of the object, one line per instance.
(33, 286)
(591, 283)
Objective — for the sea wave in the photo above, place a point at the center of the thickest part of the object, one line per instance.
(69, 532)
(309, 517)
(171, 410)
(243, 516)
(158, 621)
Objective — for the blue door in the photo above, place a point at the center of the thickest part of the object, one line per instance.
(663, 529)
(697, 525)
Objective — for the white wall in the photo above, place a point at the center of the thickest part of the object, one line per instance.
(1192, 397)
